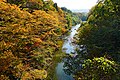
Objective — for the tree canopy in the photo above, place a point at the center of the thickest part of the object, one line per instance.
(99, 58)
(30, 32)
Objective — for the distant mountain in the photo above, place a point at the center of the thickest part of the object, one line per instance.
(80, 10)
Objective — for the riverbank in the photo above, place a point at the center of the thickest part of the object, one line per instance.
(67, 48)
(56, 59)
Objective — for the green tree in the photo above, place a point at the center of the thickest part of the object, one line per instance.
(101, 36)
(99, 69)
(101, 32)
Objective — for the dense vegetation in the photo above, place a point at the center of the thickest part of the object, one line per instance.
(100, 34)
(99, 40)
(74, 17)
(30, 32)
(30, 38)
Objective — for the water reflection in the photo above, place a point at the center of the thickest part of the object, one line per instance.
(72, 64)
(61, 74)
(68, 47)
(65, 69)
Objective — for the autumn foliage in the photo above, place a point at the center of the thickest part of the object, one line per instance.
(29, 35)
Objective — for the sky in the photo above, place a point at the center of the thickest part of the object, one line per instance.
(76, 4)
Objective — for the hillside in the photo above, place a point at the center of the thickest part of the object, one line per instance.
(30, 32)
(75, 17)
(80, 10)
(98, 54)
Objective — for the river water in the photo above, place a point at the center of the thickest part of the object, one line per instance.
(68, 47)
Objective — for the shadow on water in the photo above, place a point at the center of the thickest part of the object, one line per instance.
(68, 48)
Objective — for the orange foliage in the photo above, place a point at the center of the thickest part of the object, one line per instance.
(27, 39)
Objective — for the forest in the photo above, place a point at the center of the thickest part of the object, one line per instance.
(98, 55)
(31, 39)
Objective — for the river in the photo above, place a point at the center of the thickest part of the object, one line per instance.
(68, 47)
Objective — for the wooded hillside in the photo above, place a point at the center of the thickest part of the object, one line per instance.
(30, 32)
(100, 35)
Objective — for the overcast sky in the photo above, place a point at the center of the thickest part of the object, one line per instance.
(76, 4)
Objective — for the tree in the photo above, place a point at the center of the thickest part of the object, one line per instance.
(29, 38)
(101, 36)
(101, 32)
(99, 69)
